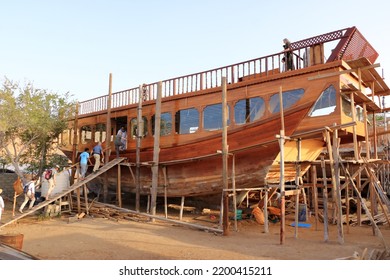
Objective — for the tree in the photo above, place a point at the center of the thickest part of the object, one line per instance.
(32, 119)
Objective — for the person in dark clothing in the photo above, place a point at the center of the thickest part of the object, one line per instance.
(288, 55)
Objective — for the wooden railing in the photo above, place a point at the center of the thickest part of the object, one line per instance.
(234, 73)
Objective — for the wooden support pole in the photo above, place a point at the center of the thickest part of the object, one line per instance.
(265, 209)
(108, 137)
(355, 142)
(359, 205)
(347, 203)
(86, 198)
(225, 151)
(164, 168)
(181, 208)
(141, 92)
(375, 227)
(315, 193)
(374, 123)
(281, 180)
(282, 190)
(366, 136)
(297, 181)
(74, 146)
(156, 148)
(296, 215)
(332, 169)
(119, 187)
(78, 201)
(336, 157)
(325, 199)
(234, 190)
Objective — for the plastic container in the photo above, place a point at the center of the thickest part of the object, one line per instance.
(302, 212)
(239, 214)
(13, 240)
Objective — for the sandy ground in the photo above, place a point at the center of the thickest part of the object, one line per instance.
(102, 239)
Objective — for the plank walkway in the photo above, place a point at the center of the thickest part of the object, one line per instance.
(65, 192)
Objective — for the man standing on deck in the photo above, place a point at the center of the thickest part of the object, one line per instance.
(120, 141)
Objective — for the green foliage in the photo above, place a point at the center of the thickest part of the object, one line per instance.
(34, 120)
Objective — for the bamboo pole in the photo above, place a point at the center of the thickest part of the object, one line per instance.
(108, 136)
(164, 168)
(119, 187)
(282, 190)
(265, 207)
(156, 148)
(355, 142)
(78, 201)
(325, 198)
(374, 123)
(234, 190)
(347, 203)
(225, 151)
(138, 148)
(181, 208)
(366, 136)
(359, 205)
(281, 186)
(332, 169)
(74, 146)
(315, 194)
(340, 230)
(375, 227)
(86, 198)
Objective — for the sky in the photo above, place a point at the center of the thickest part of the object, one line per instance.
(72, 46)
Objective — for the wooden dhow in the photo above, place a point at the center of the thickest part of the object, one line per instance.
(321, 91)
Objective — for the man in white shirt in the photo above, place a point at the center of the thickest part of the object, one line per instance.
(1, 204)
(29, 195)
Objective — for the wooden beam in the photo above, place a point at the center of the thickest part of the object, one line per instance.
(119, 187)
(336, 157)
(322, 76)
(225, 151)
(156, 148)
(325, 200)
(141, 90)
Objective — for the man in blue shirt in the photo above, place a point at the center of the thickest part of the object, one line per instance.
(84, 159)
(97, 153)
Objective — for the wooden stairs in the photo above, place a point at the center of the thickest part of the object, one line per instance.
(65, 192)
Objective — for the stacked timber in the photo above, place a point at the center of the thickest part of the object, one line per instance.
(101, 210)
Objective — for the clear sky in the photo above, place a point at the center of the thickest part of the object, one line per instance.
(73, 45)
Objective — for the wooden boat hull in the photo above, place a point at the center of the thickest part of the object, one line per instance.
(255, 149)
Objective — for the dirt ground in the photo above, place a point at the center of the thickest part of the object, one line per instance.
(103, 239)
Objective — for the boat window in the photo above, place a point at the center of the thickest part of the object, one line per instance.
(249, 110)
(289, 99)
(100, 133)
(71, 136)
(165, 124)
(212, 117)
(325, 104)
(65, 137)
(86, 134)
(133, 127)
(347, 109)
(187, 121)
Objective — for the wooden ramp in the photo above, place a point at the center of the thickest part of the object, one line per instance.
(65, 192)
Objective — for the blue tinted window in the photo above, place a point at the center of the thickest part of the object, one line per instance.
(187, 121)
(289, 99)
(249, 110)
